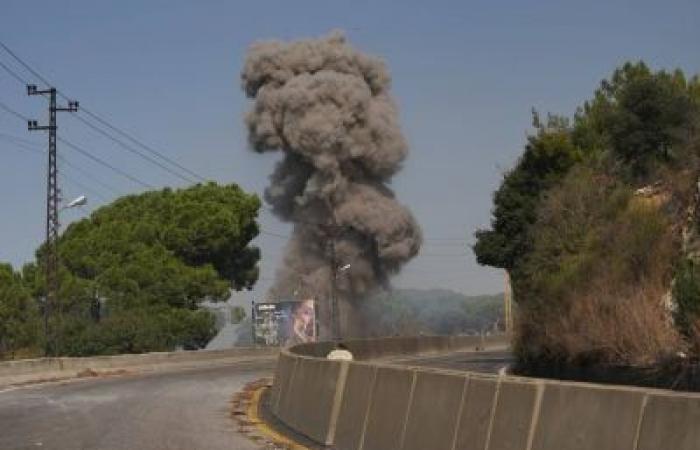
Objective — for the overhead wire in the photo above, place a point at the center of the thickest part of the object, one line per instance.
(71, 180)
(84, 152)
(142, 145)
(83, 187)
(30, 146)
(13, 112)
(86, 173)
(105, 164)
(94, 116)
(131, 149)
(107, 124)
(25, 65)
(12, 73)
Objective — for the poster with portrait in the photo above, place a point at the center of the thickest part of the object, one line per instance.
(284, 323)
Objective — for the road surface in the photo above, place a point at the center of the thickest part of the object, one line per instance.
(177, 410)
(186, 409)
(491, 361)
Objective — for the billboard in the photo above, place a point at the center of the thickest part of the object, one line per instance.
(284, 323)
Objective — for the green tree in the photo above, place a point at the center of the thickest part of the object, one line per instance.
(582, 249)
(200, 226)
(640, 115)
(548, 156)
(18, 314)
(146, 262)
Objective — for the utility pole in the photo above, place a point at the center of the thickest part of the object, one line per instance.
(332, 232)
(335, 313)
(53, 194)
(508, 304)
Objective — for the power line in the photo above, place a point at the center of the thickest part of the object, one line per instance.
(89, 175)
(83, 151)
(66, 178)
(437, 241)
(28, 67)
(19, 140)
(151, 150)
(14, 74)
(112, 127)
(105, 164)
(133, 150)
(38, 148)
(19, 145)
(142, 145)
(13, 112)
(84, 187)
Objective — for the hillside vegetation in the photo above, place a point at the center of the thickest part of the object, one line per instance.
(432, 311)
(596, 225)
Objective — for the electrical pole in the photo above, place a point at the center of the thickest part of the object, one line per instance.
(332, 231)
(53, 194)
(508, 304)
(335, 313)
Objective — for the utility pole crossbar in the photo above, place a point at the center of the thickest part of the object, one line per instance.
(53, 197)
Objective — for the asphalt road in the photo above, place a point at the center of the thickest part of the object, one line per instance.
(178, 410)
(490, 361)
(185, 409)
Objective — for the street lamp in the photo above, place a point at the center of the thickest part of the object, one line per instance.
(78, 201)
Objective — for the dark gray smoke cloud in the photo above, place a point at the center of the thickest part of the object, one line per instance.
(327, 107)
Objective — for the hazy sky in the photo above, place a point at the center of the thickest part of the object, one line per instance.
(466, 75)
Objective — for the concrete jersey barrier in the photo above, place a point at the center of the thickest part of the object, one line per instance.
(365, 405)
(28, 370)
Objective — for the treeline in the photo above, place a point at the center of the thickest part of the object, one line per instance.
(432, 311)
(597, 222)
(133, 274)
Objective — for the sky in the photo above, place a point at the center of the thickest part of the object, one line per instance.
(466, 75)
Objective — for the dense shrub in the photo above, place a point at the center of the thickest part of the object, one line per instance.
(590, 254)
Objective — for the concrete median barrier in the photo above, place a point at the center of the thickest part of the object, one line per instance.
(364, 405)
(477, 411)
(283, 373)
(354, 408)
(388, 409)
(670, 421)
(514, 414)
(29, 370)
(311, 397)
(434, 411)
(587, 418)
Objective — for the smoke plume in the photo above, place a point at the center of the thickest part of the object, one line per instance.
(327, 108)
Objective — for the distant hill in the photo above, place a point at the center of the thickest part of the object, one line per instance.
(432, 311)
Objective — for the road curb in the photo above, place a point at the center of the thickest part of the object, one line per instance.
(262, 426)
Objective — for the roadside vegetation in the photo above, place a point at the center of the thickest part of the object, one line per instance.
(597, 225)
(407, 312)
(134, 273)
